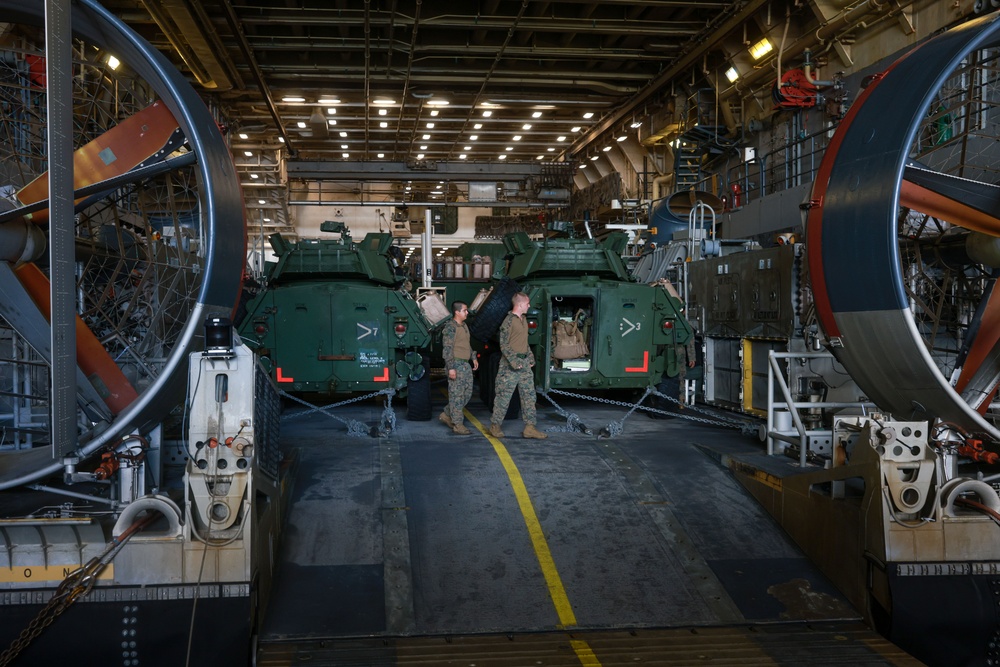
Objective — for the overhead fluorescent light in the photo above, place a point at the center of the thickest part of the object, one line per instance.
(732, 74)
(509, 148)
(466, 148)
(526, 126)
(517, 137)
(473, 137)
(424, 147)
(537, 114)
(594, 157)
(301, 124)
(331, 111)
(636, 124)
(434, 112)
(420, 156)
(382, 112)
(502, 157)
(606, 149)
(113, 62)
(383, 101)
(248, 153)
(540, 157)
(588, 115)
(343, 134)
(293, 99)
(425, 137)
(477, 126)
(487, 113)
(329, 100)
(244, 135)
(383, 124)
(561, 137)
(380, 155)
(761, 49)
(437, 102)
(575, 128)
(621, 138)
(346, 154)
(430, 126)
(462, 156)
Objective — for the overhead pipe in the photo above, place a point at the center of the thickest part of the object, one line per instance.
(258, 75)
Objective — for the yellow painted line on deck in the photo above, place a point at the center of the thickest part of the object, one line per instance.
(557, 591)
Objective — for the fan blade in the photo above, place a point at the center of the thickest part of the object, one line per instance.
(152, 133)
(968, 204)
(20, 311)
(98, 366)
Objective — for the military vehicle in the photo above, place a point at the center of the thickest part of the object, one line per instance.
(592, 327)
(332, 318)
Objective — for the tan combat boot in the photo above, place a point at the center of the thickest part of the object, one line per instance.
(495, 431)
(446, 420)
(460, 429)
(531, 432)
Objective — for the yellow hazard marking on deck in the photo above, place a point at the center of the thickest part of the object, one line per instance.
(564, 610)
(28, 574)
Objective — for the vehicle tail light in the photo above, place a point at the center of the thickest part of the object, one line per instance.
(668, 326)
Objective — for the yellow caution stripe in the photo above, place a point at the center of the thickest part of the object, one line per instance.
(557, 591)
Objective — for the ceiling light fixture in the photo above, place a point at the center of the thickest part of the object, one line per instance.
(383, 124)
(761, 49)
(577, 128)
(420, 156)
(509, 148)
(381, 155)
(244, 135)
(588, 115)
(537, 114)
(636, 124)
(301, 124)
(343, 135)
(437, 102)
(331, 122)
(594, 157)
(346, 154)
(732, 75)
(113, 62)
(477, 126)
(517, 137)
(466, 148)
(606, 149)
(621, 138)
(462, 156)
(383, 101)
(382, 112)
(423, 148)
(248, 153)
(425, 137)
(473, 137)
(293, 99)
(526, 126)
(430, 126)
(331, 111)
(561, 138)
(434, 112)
(487, 114)
(502, 157)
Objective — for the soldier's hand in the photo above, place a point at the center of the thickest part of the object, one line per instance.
(452, 374)
(475, 364)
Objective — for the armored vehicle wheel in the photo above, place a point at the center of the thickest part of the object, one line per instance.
(489, 318)
(418, 398)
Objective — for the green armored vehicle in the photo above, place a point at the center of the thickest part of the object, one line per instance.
(332, 318)
(592, 327)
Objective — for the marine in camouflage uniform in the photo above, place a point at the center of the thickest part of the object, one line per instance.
(686, 356)
(459, 361)
(515, 371)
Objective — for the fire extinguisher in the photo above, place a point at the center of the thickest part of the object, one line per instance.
(737, 195)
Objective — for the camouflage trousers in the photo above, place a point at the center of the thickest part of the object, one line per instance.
(459, 391)
(508, 380)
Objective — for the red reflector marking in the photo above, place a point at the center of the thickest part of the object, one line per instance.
(278, 376)
(384, 377)
(645, 364)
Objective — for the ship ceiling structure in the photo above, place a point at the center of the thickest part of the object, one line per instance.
(359, 88)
